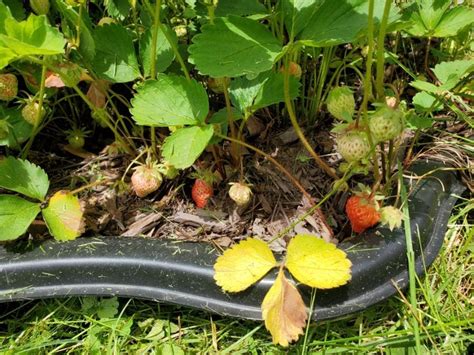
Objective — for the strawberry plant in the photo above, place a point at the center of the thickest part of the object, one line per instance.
(61, 212)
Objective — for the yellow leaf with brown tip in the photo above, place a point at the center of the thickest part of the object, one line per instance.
(284, 311)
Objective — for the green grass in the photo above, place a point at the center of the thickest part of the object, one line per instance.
(444, 314)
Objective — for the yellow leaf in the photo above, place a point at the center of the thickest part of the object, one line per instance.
(242, 265)
(317, 263)
(63, 216)
(284, 311)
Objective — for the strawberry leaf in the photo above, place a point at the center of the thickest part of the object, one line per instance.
(115, 58)
(284, 311)
(243, 264)
(185, 145)
(170, 101)
(63, 216)
(317, 263)
(31, 37)
(16, 214)
(164, 51)
(234, 46)
(23, 177)
(18, 129)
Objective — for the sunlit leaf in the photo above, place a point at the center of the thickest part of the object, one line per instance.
(317, 263)
(234, 46)
(284, 311)
(34, 36)
(16, 215)
(164, 51)
(170, 100)
(243, 264)
(23, 177)
(63, 216)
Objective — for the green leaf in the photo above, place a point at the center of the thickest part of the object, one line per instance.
(435, 18)
(16, 215)
(4, 15)
(337, 22)
(117, 9)
(221, 124)
(426, 102)
(107, 307)
(18, 131)
(87, 44)
(63, 216)
(16, 8)
(414, 121)
(170, 101)
(234, 46)
(23, 177)
(425, 86)
(164, 51)
(453, 71)
(185, 145)
(265, 90)
(6, 56)
(272, 91)
(31, 37)
(239, 8)
(297, 14)
(115, 58)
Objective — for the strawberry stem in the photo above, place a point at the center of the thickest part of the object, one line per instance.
(274, 162)
(296, 126)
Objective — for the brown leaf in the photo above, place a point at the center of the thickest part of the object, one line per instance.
(96, 93)
(284, 311)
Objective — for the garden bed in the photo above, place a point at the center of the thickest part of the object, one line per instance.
(182, 273)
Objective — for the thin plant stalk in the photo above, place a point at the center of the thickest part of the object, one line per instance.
(39, 114)
(296, 126)
(381, 51)
(154, 40)
(280, 167)
(411, 260)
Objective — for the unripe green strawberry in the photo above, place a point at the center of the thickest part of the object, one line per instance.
(341, 103)
(4, 129)
(8, 87)
(30, 112)
(145, 180)
(240, 193)
(353, 145)
(386, 124)
(40, 7)
(76, 137)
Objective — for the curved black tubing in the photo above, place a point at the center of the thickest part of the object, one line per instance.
(182, 273)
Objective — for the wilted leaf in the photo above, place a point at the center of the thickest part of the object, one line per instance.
(97, 93)
(23, 177)
(63, 216)
(284, 311)
(16, 215)
(244, 264)
(317, 263)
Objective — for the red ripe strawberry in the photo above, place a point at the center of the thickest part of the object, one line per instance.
(362, 212)
(146, 179)
(201, 192)
(8, 87)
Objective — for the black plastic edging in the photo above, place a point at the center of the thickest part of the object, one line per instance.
(181, 273)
